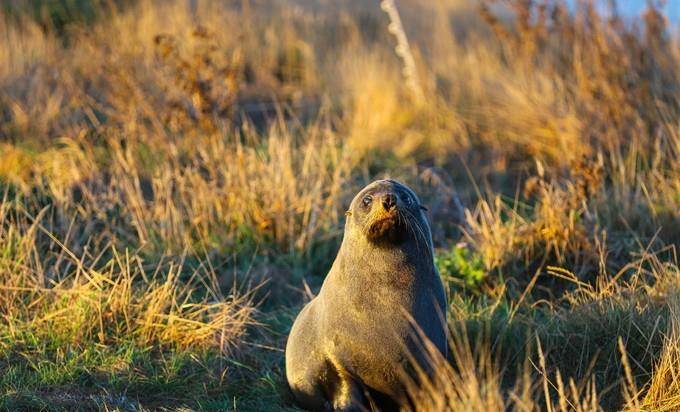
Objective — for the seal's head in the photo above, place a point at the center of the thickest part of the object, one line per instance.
(387, 211)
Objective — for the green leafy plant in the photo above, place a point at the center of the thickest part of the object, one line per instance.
(461, 267)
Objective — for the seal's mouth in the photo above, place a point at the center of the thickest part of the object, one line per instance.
(390, 227)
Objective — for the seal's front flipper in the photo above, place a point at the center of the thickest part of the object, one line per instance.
(346, 394)
(350, 399)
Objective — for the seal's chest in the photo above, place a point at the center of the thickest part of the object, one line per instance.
(381, 299)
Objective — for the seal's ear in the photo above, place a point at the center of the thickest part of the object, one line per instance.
(423, 208)
(348, 213)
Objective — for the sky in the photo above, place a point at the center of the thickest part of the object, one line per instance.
(633, 8)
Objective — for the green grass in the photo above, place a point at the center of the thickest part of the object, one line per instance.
(51, 375)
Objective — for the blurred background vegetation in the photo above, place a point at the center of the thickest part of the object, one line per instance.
(174, 176)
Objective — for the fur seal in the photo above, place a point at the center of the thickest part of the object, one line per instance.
(349, 346)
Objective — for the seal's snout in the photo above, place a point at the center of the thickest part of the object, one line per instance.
(384, 220)
(389, 201)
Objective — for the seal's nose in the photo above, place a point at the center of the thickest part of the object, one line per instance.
(389, 201)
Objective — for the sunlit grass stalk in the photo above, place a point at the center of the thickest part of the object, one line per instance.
(403, 50)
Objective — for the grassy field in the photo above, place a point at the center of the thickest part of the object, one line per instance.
(174, 176)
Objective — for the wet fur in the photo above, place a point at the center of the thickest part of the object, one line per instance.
(349, 347)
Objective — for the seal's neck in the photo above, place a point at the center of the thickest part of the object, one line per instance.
(399, 263)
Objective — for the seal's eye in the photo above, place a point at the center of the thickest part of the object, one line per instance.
(367, 200)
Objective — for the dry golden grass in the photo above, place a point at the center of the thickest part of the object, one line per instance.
(475, 385)
(663, 393)
(79, 299)
(473, 379)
